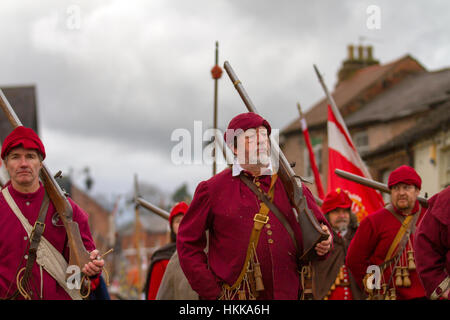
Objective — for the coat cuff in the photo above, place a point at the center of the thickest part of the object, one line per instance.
(441, 288)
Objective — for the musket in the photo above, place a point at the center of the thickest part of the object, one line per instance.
(157, 210)
(372, 184)
(79, 256)
(312, 232)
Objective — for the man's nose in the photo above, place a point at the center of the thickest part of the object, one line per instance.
(23, 162)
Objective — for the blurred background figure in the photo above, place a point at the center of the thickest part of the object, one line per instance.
(161, 257)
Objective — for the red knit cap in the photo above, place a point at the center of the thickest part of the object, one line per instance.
(336, 199)
(404, 174)
(25, 137)
(245, 121)
(179, 208)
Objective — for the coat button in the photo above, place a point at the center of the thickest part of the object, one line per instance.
(269, 232)
(27, 203)
(268, 226)
(25, 238)
(270, 241)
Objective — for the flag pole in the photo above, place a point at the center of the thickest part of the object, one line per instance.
(216, 76)
(342, 154)
(312, 159)
(137, 235)
(340, 119)
(330, 99)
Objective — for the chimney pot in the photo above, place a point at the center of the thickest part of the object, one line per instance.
(360, 53)
(369, 53)
(350, 49)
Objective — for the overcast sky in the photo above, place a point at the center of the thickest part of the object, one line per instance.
(114, 79)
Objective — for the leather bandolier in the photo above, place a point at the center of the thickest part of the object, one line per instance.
(249, 282)
(393, 256)
(23, 281)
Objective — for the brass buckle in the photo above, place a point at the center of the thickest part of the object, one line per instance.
(38, 223)
(261, 218)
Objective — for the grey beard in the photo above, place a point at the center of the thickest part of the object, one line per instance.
(341, 228)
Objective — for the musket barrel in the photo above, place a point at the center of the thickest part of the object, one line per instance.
(240, 89)
(9, 112)
(147, 205)
(371, 184)
(251, 108)
(362, 180)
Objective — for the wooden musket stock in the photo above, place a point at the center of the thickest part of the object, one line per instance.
(79, 256)
(372, 184)
(311, 230)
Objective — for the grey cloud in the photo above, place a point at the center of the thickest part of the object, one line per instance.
(137, 70)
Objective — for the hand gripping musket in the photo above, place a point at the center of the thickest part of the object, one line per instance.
(79, 256)
(372, 184)
(311, 229)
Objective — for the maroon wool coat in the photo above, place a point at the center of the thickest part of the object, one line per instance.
(432, 242)
(370, 245)
(14, 242)
(225, 207)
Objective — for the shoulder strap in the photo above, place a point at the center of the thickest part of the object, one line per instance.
(406, 229)
(35, 239)
(261, 196)
(259, 220)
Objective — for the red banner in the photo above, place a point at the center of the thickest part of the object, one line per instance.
(343, 155)
(312, 159)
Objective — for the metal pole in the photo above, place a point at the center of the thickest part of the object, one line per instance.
(137, 235)
(215, 107)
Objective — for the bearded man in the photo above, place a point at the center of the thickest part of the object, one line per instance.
(332, 279)
(234, 266)
(384, 240)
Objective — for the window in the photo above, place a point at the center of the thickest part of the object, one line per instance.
(361, 140)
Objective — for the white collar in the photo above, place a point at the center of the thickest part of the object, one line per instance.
(237, 169)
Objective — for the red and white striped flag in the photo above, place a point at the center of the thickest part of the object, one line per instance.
(312, 158)
(343, 155)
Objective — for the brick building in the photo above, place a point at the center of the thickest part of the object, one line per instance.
(379, 103)
(138, 242)
(23, 101)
